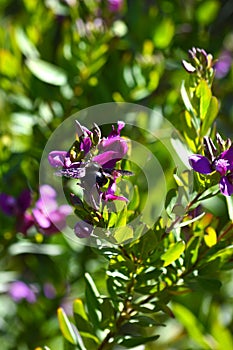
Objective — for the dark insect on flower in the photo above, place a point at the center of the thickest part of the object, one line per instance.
(97, 182)
(93, 173)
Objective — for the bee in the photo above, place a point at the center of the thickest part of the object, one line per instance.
(91, 173)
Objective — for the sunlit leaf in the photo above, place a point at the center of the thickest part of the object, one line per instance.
(164, 32)
(207, 11)
(203, 92)
(25, 45)
(66, 327)
(211, 114)
(9, 64)
(46, 71)
(32, 248)
(210, 236)
(186, 100)
(173, 253)
(123, 234)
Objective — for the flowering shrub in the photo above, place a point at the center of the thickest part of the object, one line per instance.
(116, 218)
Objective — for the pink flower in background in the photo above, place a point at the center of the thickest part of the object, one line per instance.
(19, 291)
(223, 65)
(48, 215)
(115, 5)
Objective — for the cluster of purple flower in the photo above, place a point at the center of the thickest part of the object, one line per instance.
(216, 160)
(44, 218)
(92, 160)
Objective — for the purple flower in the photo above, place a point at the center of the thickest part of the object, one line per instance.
(49, 290)
(48, 216)
(19, 290)
(110, 193)
(115, 5)
(59, 159)
(223, 164)
(223, 64)
(112, 149)
(83, 229)
(17, 207)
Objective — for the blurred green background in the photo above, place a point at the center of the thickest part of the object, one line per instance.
(59, 57)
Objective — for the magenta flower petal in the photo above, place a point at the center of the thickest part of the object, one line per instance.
(116, 132)
(47, 191)
(200, 164)
(46, 205)
(116, 143)
(106, 157)
(226, 187)
(57, 158)
(113, 197)
(42, 220)
(115, 5)
(85, 145)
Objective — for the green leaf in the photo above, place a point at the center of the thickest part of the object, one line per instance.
(163, 34)
(108, 314)
(80, 317)
(207, 11)
(211, 285)
(25, 45)
(223, 255)
(186, 100)
(123, 234)
(66, 327)
(173, 253)
(46, 72)
(69, 331)
(78, 308)
(130, 342)
(229, 202)
(32, 248)
(135, 201)
(9, 64)
(145, 321)
(191, 324)
(191, 252)
(93, 301)
(210, 115)
(204, 93)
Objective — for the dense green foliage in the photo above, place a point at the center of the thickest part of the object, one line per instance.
(172, 287)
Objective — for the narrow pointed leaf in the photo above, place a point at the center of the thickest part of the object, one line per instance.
(130, 342)
(66, 327)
